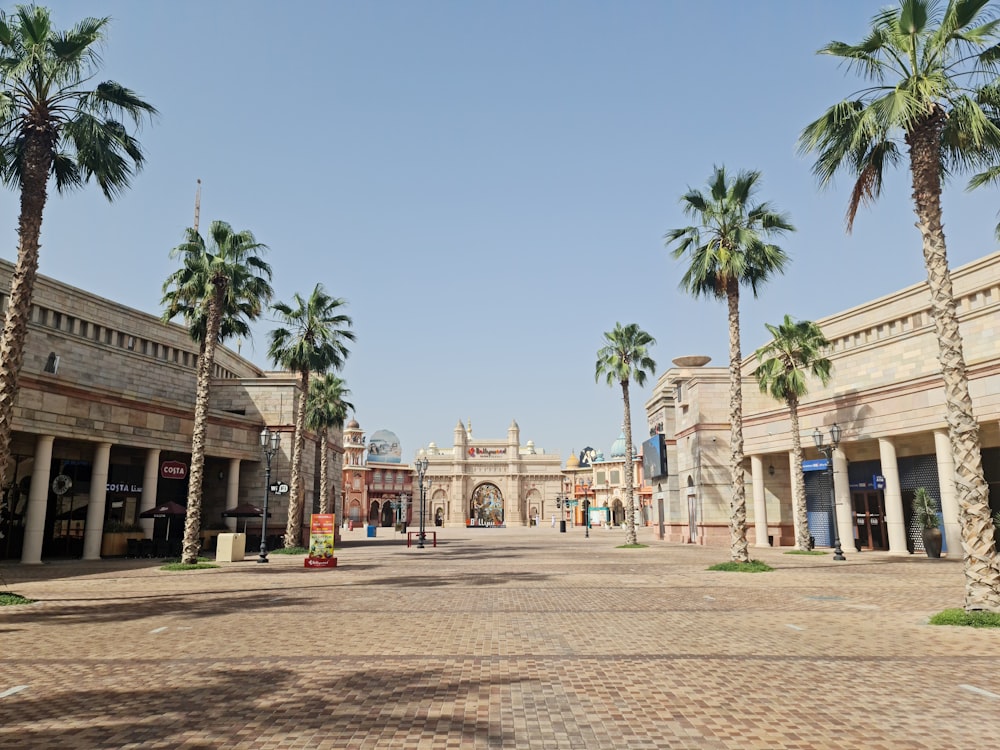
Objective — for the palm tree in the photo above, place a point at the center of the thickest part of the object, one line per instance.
(327, 408)
(218, 290)
(795, 352)
(52, 124)
(921, 62)
(624, 358)
(312, 339)
(727, 249)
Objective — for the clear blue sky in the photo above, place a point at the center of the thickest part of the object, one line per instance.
(487, 184)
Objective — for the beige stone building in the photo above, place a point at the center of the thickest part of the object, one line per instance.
(489, 482)
(103, 422)
(885, 395)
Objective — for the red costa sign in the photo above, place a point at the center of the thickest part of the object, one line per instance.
(173, 470)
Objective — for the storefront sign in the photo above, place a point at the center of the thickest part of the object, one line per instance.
(321, 538)
(815, 464)
(173, 470)
(130, 489)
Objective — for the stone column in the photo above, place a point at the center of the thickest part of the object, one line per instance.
(150, 477)
(759, 501)
(38, 500)
(233, 492)
(949, 500)
(894, 521)
(95, 506)
(842, 495)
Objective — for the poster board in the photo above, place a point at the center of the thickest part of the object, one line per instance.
(321, 538)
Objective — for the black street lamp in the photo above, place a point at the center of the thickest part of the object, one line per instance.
(421, 466)
(269, 445)
(827, 450)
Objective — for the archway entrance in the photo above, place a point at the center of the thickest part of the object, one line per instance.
(617, 513)
(486, 506)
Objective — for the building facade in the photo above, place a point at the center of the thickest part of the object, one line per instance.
(489, 482)
(887, 398)
(103, 423)
(377, 486)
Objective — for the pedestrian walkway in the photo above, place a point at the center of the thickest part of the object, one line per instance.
(497, 638)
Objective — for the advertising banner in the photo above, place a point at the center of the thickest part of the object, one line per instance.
(321, 536)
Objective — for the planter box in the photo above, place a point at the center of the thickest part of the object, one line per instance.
(115, 543)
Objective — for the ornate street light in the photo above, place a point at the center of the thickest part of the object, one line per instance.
(586, 505)
(421, 466)
(827, 450)
(269, 445)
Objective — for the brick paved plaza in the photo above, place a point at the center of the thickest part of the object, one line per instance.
(512, 638)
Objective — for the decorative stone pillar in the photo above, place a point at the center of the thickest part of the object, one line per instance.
(894, 521)
(949, 500)
(759, 501)
(842, 496)
(150, 478)
(94, 529)
(38, 500)
(232, 492)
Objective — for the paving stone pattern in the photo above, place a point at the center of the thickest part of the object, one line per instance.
(497, 638)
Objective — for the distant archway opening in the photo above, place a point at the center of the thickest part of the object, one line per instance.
(486, 506)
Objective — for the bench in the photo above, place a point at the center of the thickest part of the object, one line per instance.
(432, 534)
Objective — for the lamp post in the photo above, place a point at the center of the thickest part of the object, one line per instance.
(269, 445)
(586, 506)
(827, 450)
(421, 466)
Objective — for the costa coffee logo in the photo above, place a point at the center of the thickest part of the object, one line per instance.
(173, 470)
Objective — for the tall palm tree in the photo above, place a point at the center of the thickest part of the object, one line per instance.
(727, 249)
(313, 339)
(53, 124)
(624, 358)
(783, 364)
(921, 62)
(327, 409)
(218, 290)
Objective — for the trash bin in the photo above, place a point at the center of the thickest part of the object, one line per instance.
(371, 532)
(230, 547)
(562, 526)
(350, 525)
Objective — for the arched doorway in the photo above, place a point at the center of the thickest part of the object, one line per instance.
(617, 513)
(388, 513)
(373, 513)
(439, 517)
(486, 506)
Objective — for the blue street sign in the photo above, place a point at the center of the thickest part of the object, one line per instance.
(815, 464)
(878, 481)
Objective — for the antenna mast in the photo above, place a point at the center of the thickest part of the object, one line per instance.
(197, 206)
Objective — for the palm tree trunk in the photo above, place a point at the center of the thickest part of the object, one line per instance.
(191, 545)
(37, 162)
(738, 504)
(293, 528)
(982, 570)
(324, 476)
(630, 535)
(799, 486)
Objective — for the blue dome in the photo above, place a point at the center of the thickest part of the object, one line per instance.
(618, 447)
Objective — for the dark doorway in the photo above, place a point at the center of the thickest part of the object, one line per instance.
(869, 520)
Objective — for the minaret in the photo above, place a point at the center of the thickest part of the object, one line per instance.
(354, 444)
(460, 441)
(513, 438)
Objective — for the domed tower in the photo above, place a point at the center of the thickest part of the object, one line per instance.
(354, 444)
(513, 437)
(460, 440)
(618, 447)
